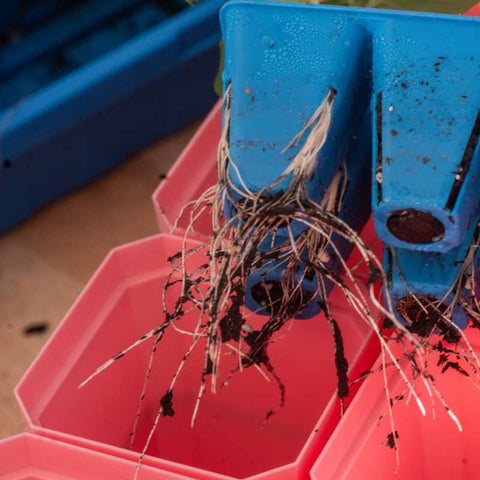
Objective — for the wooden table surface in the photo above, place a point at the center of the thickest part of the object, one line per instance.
(47, 260)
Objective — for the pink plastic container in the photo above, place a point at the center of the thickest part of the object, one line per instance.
(121, 302)
(429, 448)
(474, 11)
(30, 457)
(191, 175)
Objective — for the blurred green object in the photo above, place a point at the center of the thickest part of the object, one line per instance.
(218, 86)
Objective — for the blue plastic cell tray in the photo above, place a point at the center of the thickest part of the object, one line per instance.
(83, 85)
(430, 274)
(421, 73)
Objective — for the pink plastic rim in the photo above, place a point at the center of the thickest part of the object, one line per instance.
(191, 175)
(119, 304)
(31, 457)
(474, 11)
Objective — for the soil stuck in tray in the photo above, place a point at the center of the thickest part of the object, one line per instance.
(415, 226)
(423, 314)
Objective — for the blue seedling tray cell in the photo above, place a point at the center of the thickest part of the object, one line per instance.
(426, 70)
(84, 89)
(280, 73)
(280, 60)
(430, 274)
(308, 288)
(355, 212)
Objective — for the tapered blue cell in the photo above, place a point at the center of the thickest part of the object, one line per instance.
(355, 212)
(418, 279)
(426, 101)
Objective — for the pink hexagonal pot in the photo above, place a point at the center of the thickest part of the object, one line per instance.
(191, 175)
(430, 447)
(229, 440)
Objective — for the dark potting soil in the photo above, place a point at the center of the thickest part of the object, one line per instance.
(424, 321)
(36, 328)
(271, 300)
(415, 226)
(167, 404)
(341, 362)
(391, 439)
(231, 324)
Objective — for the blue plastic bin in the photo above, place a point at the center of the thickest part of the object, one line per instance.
(83, 85)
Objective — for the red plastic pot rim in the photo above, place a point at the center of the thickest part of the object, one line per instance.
(190, 176)
(474, 11)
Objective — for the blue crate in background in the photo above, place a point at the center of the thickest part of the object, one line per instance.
(84, 84)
